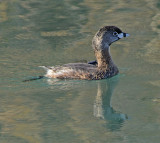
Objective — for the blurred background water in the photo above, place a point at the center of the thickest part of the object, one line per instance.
(123, 109)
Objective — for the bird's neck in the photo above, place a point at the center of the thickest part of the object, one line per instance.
(104, 58)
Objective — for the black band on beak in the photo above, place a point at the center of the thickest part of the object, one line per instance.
(124, 34)
(121, 35)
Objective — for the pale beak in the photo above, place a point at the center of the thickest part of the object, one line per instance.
(121, 35)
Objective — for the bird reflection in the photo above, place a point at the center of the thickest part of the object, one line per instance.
(102, 106)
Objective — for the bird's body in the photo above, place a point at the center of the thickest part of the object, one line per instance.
(80, 71)
(100, 69)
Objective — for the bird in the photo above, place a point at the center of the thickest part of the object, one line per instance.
(102, 68)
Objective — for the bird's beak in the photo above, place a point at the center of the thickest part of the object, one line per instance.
(121, 35)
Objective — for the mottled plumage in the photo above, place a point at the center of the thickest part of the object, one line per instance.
(100, 69)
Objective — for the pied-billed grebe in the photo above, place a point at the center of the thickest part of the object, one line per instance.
(100, 69)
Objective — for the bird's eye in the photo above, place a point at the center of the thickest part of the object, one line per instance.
(115, 33)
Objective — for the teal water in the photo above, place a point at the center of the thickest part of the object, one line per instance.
(123, 109)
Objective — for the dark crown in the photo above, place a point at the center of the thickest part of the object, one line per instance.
(108, 28)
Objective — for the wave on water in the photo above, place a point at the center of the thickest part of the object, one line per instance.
(152, 48)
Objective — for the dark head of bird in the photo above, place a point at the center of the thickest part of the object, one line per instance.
(101, 42)
(106, 36)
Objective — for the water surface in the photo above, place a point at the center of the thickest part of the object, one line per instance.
(123, 109)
